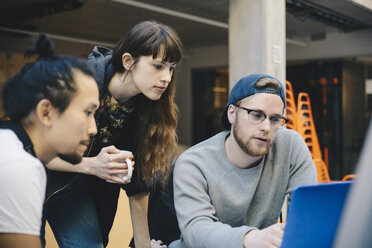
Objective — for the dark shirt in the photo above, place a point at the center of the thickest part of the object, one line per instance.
(116, 125)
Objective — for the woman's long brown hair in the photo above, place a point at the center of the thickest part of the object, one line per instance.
(156, 120)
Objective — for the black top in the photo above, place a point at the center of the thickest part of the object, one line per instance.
(115, 126)
(115, 123)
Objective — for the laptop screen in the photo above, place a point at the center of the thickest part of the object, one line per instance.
(314, 215)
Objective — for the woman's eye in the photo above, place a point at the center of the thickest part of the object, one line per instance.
(171, 68)
(158, 67)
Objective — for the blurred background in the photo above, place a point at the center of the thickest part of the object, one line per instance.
(324, 49)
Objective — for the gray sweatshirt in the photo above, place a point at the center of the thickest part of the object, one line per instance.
(217, 203)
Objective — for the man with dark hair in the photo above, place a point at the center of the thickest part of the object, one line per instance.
(50, 105)
(229, 189)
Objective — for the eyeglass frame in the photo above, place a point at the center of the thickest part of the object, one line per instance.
(265, 115)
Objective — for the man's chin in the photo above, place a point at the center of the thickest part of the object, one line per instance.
(71, 158)
(254, 150)
(258, 152)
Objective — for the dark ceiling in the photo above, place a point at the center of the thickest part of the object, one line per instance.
(198, 22)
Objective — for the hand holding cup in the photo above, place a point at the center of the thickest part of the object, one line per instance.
(128, 176)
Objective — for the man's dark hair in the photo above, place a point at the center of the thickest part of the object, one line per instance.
(49, 77)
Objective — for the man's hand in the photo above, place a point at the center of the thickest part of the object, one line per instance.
(268, 237)
(108, 164)
(157, 244)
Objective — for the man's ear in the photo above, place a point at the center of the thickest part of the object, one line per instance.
(231, 113)
(44, 111)
(127, 60)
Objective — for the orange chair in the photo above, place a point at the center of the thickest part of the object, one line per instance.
(322, 171)
(349, 177)
(305, 125)
(306, 128)
(291, 111)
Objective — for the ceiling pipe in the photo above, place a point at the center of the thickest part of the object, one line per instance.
(189, 17)
(59, 37)
(173, 13)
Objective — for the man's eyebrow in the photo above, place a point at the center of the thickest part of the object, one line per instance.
(257, 110)
(263, 112)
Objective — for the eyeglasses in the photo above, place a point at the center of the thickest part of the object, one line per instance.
(257, 117)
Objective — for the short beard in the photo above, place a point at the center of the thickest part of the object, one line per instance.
(71, 158)
(246, 147)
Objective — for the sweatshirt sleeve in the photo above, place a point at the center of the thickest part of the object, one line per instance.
(302, 168)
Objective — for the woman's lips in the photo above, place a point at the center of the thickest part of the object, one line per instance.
(160, 89)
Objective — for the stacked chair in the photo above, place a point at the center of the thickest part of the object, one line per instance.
(291, 109)
(301, 120)
(305, 125)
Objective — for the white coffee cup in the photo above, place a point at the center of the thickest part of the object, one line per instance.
(128, 176)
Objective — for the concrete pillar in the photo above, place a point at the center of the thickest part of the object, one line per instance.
(256, 38)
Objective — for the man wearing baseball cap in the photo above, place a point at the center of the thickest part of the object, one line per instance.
(229, 189)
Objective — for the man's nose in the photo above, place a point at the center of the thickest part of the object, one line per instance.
(266, 124)
(92, 127)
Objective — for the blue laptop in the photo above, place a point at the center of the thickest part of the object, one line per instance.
(314, 214)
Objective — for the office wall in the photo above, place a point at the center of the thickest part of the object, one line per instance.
(354, 114)
(196, 58)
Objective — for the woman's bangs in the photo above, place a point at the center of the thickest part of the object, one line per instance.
(168, 48)
(172, 52)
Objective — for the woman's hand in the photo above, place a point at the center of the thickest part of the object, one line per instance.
(108, 164)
